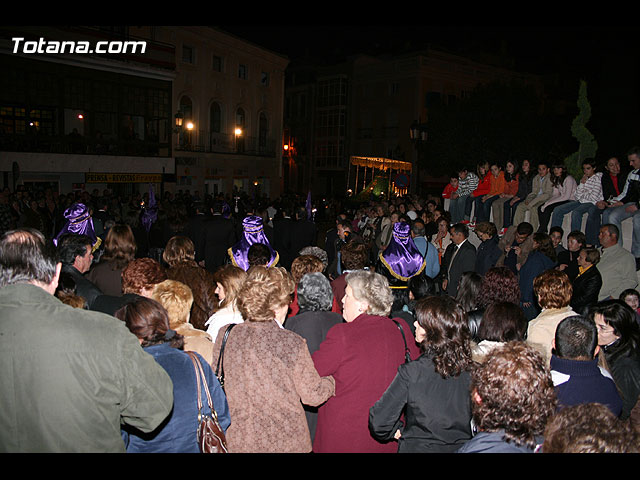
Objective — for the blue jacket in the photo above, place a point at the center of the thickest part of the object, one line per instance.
(493, 442)
(430, 254)
(582, 381)
(537, 262)
(178, 433)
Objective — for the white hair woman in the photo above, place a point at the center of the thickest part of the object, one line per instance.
(363, 355)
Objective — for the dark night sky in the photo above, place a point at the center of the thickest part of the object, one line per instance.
(606, 55)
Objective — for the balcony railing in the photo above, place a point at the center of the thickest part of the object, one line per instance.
(212, 142)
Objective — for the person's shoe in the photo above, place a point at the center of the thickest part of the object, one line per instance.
(503, 231)
(465, 222)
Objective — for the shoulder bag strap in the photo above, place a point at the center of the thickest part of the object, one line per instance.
(220, 365)
(407, 354)
(202, 382)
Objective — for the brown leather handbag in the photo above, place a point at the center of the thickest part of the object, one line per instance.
(211, 437)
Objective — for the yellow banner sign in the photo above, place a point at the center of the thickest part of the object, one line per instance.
(123, 177)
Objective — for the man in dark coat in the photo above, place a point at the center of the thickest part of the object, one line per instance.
(463, 259)
(219, 236)
(76, 256)
(303, 232)
(282, 237)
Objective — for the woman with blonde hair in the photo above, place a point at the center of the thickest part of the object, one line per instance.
(180, 254)
(228, 280)
(363, 355)
(268, 370)
(177, 299)
(119, 249)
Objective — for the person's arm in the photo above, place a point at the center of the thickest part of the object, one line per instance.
(147, 389)
(312, 388)
(384, 415)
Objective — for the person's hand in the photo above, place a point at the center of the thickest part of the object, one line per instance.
(514, 200)
(517, 250)
(562, 266)
(602, 204)
(454, 195)
(445, 282)
(397, 435)
(526, 304)
(518, 266)
(616, 204)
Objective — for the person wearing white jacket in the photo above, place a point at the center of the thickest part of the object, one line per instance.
(588, 194)
(563, 191)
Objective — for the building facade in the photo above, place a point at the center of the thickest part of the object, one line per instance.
(192, 108)
(366, 106)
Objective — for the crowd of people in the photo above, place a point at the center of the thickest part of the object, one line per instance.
(448, 323)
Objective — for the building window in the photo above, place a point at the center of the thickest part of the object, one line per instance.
(188, 54)
(215, 118)
(243, 71)
(264, 79)
(218, 63)
(432, 99)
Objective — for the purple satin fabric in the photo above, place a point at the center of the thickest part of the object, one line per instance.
(78, 221)
(253, 232)
(150, 213)
(402, 257)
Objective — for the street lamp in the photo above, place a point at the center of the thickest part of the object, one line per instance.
(238, 132)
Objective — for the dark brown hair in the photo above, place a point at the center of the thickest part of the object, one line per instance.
(148, 320)
(447, 337)
(119, 246)
(142, 273)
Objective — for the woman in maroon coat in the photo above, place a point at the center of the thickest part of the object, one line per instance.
(363, 356)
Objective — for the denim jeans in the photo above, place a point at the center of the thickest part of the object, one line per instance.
(509, 211)
(615, 216)
(577, 210)
(483, 209)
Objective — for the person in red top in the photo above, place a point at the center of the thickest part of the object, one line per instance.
(362, 355)
(496, 188)
(511, 183)
(451, 187)
(484, 185)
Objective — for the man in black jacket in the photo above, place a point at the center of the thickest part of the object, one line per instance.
(76, 257)
(219, 236)
(463, 259)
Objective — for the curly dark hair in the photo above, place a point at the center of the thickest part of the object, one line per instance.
(516, 393)
(499, 284)
(447, 338)
(589, 428)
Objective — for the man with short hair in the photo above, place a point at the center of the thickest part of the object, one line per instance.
(462, 259)
(626, 204)
(616, 266)
(576, 375)
(588, 193)
(462, 200)
(69, 377)
(541, 191)
(426, 248)
(516, 244)
(76, 255)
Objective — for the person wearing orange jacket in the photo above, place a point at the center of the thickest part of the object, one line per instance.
(485, 198)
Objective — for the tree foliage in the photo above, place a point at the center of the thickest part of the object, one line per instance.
(587, 144)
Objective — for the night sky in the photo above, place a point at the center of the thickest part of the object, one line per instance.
(605, 55)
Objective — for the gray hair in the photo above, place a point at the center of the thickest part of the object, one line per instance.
(315, 293)
(316, 252)
(372, 288)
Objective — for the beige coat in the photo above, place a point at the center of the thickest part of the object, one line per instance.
(268, 375)
(542, 329)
